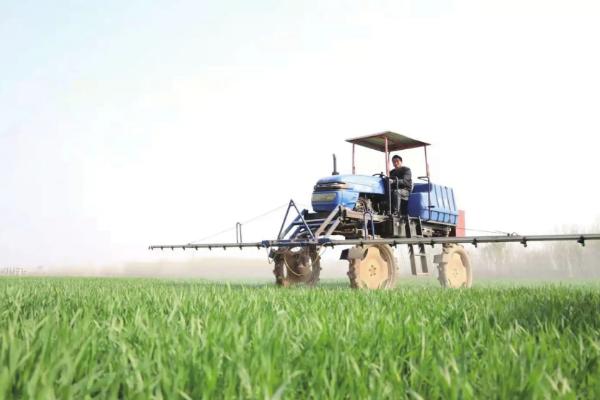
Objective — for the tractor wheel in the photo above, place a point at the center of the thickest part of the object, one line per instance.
(375, 269)
(454, 267)
(297, 265)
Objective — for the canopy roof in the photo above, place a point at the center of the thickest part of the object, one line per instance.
(396, 141)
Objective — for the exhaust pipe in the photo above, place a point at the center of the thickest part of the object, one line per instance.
(335, 172)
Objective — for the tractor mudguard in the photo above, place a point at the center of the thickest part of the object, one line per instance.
(352, 253)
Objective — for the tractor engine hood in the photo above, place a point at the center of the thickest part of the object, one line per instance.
(355, 183)
(344, 190)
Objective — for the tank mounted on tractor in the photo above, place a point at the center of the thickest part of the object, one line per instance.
(358, 211)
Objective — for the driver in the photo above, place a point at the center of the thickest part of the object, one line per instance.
(401, 178)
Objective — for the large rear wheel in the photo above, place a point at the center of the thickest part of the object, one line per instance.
(374, 268)
(454, 267)
(297, 265)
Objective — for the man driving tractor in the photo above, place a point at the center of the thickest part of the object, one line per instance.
(401, 178)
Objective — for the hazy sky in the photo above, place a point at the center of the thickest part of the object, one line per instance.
(129, 123)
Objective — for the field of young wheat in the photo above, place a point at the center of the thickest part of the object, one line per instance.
(141, 338)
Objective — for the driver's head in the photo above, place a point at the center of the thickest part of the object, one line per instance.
(397, 161)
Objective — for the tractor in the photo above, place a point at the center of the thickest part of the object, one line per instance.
(361, 207)
(358, 212)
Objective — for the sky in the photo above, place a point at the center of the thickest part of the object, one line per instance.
(125, 124)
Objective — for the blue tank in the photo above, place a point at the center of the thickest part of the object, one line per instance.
(442, 199)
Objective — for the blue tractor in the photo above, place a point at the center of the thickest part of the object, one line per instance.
(357, 213)
(359, 207)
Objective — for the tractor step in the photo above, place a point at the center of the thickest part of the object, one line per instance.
(309, 222)
(414, 229)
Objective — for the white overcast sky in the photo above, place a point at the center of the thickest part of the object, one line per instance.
(129, 123)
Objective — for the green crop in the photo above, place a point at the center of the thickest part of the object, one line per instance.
(128, 338)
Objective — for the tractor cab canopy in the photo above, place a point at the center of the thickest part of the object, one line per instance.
(387, 142)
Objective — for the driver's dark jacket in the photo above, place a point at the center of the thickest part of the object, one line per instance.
(403, 177)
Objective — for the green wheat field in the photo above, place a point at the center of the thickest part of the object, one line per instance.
(78, 338)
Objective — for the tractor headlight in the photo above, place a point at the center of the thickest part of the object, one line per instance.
(323, 197)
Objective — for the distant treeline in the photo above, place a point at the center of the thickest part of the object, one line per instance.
(552, 260)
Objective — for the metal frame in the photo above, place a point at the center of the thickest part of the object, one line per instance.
(300, 218)
(473, 240)
(386, 151)
(238, 232)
